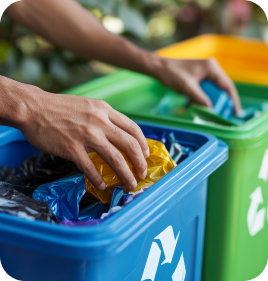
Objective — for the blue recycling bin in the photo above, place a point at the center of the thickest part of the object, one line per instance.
(158, 236)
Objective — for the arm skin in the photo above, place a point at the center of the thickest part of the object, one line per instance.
(68, 25)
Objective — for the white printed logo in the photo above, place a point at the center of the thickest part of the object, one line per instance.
(256, 218)
(263, 174)
(263, 276)
(263, 4)
(4, 4)
(4, 276)
(169, 243)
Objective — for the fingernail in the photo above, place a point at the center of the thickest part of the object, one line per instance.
(102, 186)
(144, 174)
(147, 153)
(133, 185)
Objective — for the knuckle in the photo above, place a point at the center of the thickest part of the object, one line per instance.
(116, 159)
(103, 104)
(133, 144)
(135, 128)
(100, 119)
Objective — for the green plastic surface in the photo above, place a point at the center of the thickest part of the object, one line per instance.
(236, 247)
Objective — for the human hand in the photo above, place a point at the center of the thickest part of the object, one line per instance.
(71, 127)
(186, 75)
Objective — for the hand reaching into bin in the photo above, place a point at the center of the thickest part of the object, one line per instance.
(72, 126)
(68, 25)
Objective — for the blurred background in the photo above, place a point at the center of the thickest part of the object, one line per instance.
(151, 24)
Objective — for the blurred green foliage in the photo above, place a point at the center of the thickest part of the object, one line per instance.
(149, 23)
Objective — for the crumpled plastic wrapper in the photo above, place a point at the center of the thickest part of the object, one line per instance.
(39, 169)
(63, 196)
(26, 190)
(159, 164)
(14, 203)
(92, 212)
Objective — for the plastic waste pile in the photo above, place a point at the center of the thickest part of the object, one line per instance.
(51, 189)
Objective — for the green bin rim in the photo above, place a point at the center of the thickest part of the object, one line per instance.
(251, 133)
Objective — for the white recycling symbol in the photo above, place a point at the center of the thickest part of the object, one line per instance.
(169, 243)
(256, 218)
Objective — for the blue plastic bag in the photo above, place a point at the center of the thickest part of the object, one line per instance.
(223, 105)
(92, 212)
(63, 196)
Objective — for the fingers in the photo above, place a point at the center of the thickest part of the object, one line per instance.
(116, 161)
(217, 75)
(197, 95)
(131, 147)
(127, 125)
(84, 163)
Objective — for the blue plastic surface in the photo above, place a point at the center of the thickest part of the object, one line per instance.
(158, 235)
(63, 196)
(222, 104)
(14, 148)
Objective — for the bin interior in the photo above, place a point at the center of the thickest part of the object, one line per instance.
(141, 96)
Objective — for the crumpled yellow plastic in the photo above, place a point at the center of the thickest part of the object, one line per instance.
(159, 163)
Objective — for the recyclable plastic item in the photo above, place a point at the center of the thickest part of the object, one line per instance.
(92, 212)
(111, 211)
(81, 223)
(135, 195)
(39, 169)
(17, 204)
(159, 164)
(176, 151)
(222, 103)
(173, 208)
(63, 196)
(118, 196)
(26, 190)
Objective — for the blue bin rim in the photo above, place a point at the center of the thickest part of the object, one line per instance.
(118, 231)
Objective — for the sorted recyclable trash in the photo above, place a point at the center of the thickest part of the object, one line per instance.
(63, 196)
(134, 195)
(222, 112)
(222, 103)
(39, 169)
(176, 151)
(97, 212)
(92, 212)
(159, 164)
(15, 203)
(26, 190)
(81, 223)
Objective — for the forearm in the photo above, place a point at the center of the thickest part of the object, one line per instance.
(16, 101)
(70, 26)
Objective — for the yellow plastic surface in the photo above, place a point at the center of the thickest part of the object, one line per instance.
(244, 60)
(159, 163)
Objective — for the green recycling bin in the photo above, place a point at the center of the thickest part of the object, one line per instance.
(236, 247)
